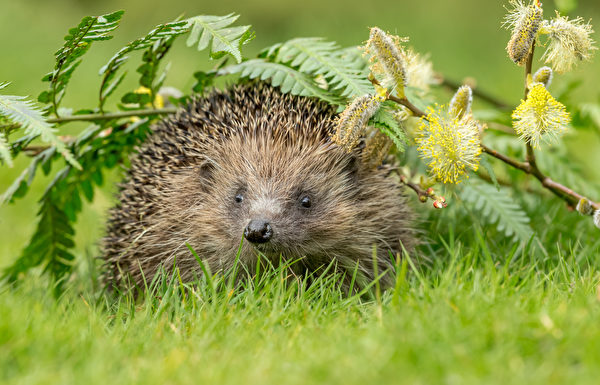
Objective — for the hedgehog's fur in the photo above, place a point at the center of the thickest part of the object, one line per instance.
(273, 149)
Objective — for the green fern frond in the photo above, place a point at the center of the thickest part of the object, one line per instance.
(225, 40)
(5, 150)
(354, 58)
(159, 34)
(20, 185)
(386, 122)
(497, 207)
(49, 244)
(315, 56)
(77, 42)
(23, 112)
(287, 78)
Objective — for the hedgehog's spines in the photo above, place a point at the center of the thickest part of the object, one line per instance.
(162, 207)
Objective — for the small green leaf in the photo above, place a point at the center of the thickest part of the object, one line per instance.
(203, 80)
(386, 122)
(225, 40)
(133, 97)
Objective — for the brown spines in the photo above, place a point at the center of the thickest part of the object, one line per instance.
(274, 147)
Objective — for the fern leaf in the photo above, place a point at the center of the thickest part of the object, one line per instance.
(50, 244)
(156, 36)
(23, 112)
(386, 122)
(225, 40)
(354, 58)
(288, 79)
(5, 150)
(77, 43)
(315, 56)
(497, 207)
(21, 184)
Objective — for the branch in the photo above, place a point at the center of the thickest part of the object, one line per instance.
(561, 191)
(439, 202)
(528, 167)
(110, 116)
(513, 162)
(528, 66)
(114, 115)
(403, 101)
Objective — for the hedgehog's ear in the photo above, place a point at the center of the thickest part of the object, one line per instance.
(204, 171)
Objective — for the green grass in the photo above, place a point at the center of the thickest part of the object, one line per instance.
(482, 311)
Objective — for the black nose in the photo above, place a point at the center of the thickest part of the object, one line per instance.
(258, 231)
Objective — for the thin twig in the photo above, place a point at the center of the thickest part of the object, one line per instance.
(510, 161)
(563, 192)
(424, 195)
(114, 115)
(528, 66)
(109, 116)
(403, 101)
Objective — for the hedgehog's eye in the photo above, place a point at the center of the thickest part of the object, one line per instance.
(305, 201)
(239, 197)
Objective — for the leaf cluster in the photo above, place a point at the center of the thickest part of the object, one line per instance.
(106, 143)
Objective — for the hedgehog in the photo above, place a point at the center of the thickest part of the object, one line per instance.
(251, 173)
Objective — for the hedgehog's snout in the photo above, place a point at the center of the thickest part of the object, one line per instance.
(258, 231)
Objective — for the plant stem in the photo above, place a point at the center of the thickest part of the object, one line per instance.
(109, 116)
(114, 115)
(403, 100)
(528, 167)
(563, 192)
(513, 162)
(530, 157)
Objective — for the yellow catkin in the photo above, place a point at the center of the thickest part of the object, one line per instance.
(460, 105)
(419, 70)
(540, 117)
(526, 22)
(584, 207)
(544, 76)
(570, 42)
(352, 122)
(449, 146)
(377, 146)
(391, 61)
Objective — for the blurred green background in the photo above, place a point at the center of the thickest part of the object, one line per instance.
(463, 37)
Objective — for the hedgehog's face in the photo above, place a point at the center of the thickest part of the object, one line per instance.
(285, 201)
